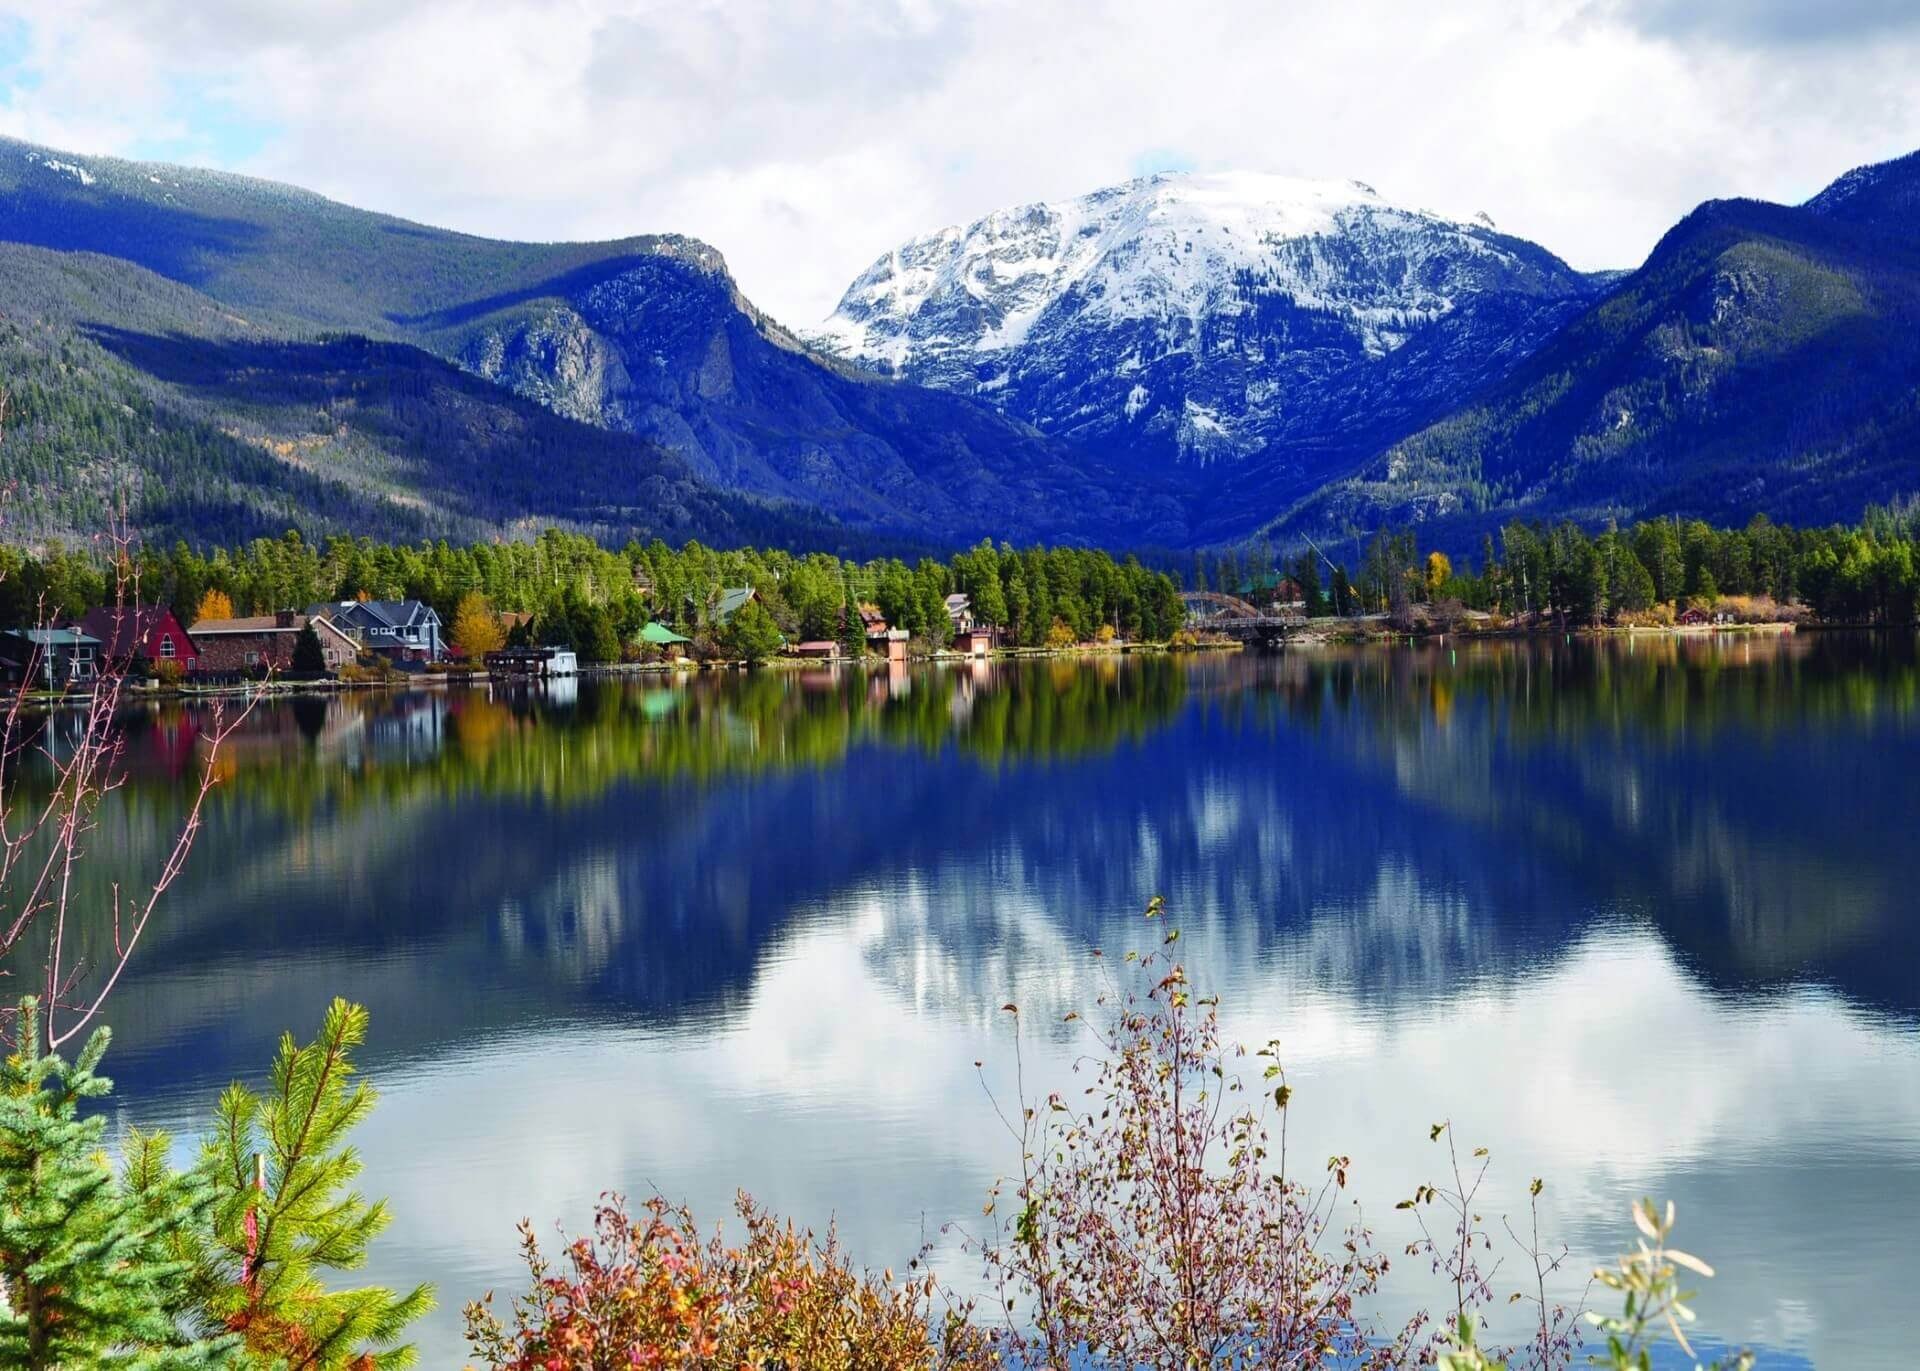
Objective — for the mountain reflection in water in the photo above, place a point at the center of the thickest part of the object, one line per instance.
(1639, 915)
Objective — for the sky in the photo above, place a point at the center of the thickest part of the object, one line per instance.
(804, 138)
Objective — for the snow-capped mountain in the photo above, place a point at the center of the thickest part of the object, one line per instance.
(1208, 317)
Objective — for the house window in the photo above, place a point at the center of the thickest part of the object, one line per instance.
(253, 658)
(166, 648)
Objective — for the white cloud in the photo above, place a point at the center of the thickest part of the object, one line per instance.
(803, 140)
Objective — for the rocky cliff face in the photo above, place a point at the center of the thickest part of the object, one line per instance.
(1202, 319)
(668, 349)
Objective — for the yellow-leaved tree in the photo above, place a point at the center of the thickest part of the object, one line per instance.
(215, 604)
(476, 628)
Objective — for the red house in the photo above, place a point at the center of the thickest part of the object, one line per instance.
(149, 631)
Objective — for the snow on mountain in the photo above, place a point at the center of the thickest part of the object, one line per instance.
(1204, 316)
(1887, 193)
(54, 164)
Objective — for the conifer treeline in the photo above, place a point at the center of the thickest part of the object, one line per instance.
(1866, 573)
(598, 598)
(585, 594)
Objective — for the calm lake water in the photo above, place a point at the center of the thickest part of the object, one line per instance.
(1641, 917)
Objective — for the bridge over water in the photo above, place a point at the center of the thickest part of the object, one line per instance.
(1209, 611)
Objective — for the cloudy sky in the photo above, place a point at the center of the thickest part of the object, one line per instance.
(804, 137)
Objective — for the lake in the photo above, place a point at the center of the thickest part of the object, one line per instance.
(1641, 916)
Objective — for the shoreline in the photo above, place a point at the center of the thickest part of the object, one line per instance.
(1311, 637)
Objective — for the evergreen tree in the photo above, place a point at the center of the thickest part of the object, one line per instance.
(1019, 606)
(985, 588)
(937, 628)
(86, 1260)
(286, 1215)
(593, 634)
(894, 593)
(1345, 600)
(751, 635)
(853, 629)
(1306, 574)
(1633, 590)
(309, 659)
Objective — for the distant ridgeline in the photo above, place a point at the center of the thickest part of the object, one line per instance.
(1180, 362)
(570, 588)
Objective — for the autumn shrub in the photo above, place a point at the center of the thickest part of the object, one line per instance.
(169, 672)
(1449, 614)
(649, 1290)
(369, 670)
(1762, 609)
(1660, 615)
(1158, 1221)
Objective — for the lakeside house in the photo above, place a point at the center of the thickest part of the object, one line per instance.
(970, 637)
(656, 634)
(266, 642)
(129, 632)
(820, 649)
(976, 640)
(53, 658)
(402, 631)
(882, 638)
(521, 663)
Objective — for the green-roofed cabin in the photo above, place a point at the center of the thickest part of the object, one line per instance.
(730, 603)
(657, 634)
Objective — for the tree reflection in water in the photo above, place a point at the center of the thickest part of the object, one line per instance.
(779, 910)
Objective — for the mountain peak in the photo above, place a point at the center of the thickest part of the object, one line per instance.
(1157, 246)
(1197, 313)
(1881, 192)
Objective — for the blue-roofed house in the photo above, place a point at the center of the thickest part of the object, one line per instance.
(54, 657)
(399, 630)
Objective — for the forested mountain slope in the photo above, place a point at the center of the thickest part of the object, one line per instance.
(210, 427)
(646, 336)
(1766, 358)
